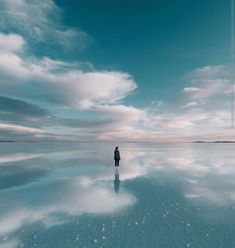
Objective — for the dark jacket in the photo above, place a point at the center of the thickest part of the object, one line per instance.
(117, 155)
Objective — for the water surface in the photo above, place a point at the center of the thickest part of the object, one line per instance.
(70, 195)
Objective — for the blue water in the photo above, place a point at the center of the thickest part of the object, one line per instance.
(70, 195)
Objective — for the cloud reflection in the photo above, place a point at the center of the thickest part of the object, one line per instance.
(18, 157)
(67, 197)
(9, 244)
(205, 173)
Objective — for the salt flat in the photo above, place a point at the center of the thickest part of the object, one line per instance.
(61, 195)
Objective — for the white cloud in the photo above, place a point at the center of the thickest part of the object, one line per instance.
(63, 82)
(207, 82)
(208, 72)
(40, 21)
(88, 88)
(19, 128)
(200, 110)
(207, 88)
(11, 42)
(190, 104)
(13, 69)
(202, 106)
(191, 89)
(121, 113)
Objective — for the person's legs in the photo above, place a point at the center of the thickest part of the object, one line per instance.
(116, 162)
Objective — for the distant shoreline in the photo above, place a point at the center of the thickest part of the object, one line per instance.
(111, 142)
(217, 141)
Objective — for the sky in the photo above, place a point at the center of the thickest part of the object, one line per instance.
(115, 71)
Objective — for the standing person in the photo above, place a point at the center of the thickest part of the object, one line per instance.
(116, 156)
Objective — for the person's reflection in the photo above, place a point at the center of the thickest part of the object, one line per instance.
(116, 181)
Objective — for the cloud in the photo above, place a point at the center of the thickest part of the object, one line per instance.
(191, 89)
(190, 104)
(201, 108)
(208, 82)
(18, 107)
(19, 128)
(121, 113)
(207, 88)
(86, 89)
(97, 97)
(40, 22)
(61, 82)
(11, 42)
(114, 122)
(209, 72)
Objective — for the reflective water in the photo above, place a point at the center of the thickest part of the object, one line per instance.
(70, 195)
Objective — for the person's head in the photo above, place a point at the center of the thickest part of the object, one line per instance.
(116, 148)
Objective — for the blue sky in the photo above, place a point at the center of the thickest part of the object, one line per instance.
(156, 41)
(115, 70)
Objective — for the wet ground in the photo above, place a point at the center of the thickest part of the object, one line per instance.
(70, 195)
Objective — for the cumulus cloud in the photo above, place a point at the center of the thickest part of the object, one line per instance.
(200, 110)
(11, 42)
(208, 72)
(202, 107)
(26, 78)
(208, 82)
(62, 83)
(40, 21)
(116, 122)
(207, 88)
(121, 113)
(94, 87)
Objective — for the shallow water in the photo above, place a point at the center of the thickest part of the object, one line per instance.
(69, 195)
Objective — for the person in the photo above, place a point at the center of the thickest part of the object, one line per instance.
(117, 156)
